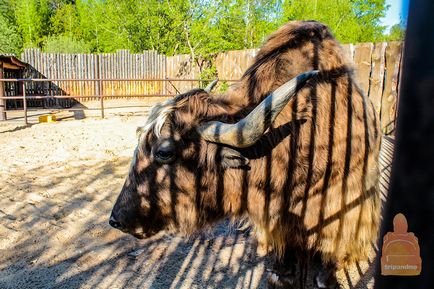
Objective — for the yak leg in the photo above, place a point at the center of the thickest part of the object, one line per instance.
(283, 274)
(326, 278)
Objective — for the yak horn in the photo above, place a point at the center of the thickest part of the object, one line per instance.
(210, 86)
(249, 130)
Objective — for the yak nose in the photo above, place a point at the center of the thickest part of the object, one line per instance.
(114, 223)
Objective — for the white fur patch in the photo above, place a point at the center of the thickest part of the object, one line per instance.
(156, 119)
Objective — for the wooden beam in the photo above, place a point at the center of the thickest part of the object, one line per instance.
(2, 94)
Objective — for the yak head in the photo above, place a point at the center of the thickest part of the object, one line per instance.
(176, 178)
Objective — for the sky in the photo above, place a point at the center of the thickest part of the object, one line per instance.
(398, 10)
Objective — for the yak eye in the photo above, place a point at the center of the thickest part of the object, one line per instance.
(165, 152)
(164, 155)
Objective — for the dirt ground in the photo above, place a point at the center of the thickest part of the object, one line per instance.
(58, 183)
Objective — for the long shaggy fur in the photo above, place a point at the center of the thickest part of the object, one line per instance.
(312, 180)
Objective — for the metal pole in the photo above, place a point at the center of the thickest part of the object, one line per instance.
(411, 189)
(25, 102)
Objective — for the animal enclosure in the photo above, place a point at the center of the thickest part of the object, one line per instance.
(63, 80)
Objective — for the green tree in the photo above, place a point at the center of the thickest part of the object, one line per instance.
(32, 18)
(111, 25)
(227, 25)
(10, 39)
(197, 27)
(65, 44)
(397, 33)
(351, 21)
(64, 20)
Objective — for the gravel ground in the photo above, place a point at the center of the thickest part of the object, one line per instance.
(59, 182)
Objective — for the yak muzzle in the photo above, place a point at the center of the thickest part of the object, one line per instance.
(115, 223)
(138, 232)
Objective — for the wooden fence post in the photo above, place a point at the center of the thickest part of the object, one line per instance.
(390, 91)
(25, 102)
(2, 94)
(101, 96)
(411, 190)
(377, 75)
(362, 60)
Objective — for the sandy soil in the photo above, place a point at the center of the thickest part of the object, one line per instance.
(58, 183)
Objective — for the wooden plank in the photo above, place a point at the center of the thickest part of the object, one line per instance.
(121, 72)
(162, 72)
(55, 71)
(112, 72)
(91, 74)
(349, 51)
(362, 60)
(131, 75)
(93, 84)
(81, 73)
(2, 94)
(155, 70)
(390, 93)
(133, 72)
(69, 72)
(377, 74)
(101, 69)
(152, 71)
(165, 75)
(74, 72)
(147, 70)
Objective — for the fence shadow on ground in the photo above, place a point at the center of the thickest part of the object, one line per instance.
(58, 237)
(55, 235)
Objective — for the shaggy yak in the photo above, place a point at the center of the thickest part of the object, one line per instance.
(293, 148)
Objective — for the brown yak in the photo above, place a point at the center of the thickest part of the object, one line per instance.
(298, 158)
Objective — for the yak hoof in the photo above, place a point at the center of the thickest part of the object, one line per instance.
(280, 280)
(326, 279)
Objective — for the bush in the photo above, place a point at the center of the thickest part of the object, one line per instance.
(10, 40)
(65, 44)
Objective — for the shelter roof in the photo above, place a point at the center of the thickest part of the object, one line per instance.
(11, 62)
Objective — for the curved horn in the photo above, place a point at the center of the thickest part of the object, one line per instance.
(210, 86)
(249, 130)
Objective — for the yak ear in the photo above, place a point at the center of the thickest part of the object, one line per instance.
(232, 159)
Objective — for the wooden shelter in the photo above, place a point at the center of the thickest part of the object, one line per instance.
(10, 67)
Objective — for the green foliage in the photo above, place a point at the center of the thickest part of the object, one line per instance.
(32, 18)
(65, 44)
(10, 39)
(397, 33)
(230, 25)
(351, 21)
(208, 73)
(196, 27)
(64, 20)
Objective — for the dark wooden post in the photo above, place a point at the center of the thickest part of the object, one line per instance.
(25, 103)
(2, 94)
(411, 189)
(99, 87)
(101, 97)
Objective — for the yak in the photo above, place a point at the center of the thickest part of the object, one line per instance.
(292, 147)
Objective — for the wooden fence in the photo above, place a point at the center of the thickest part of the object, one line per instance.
(377, 70)
(111, 66)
